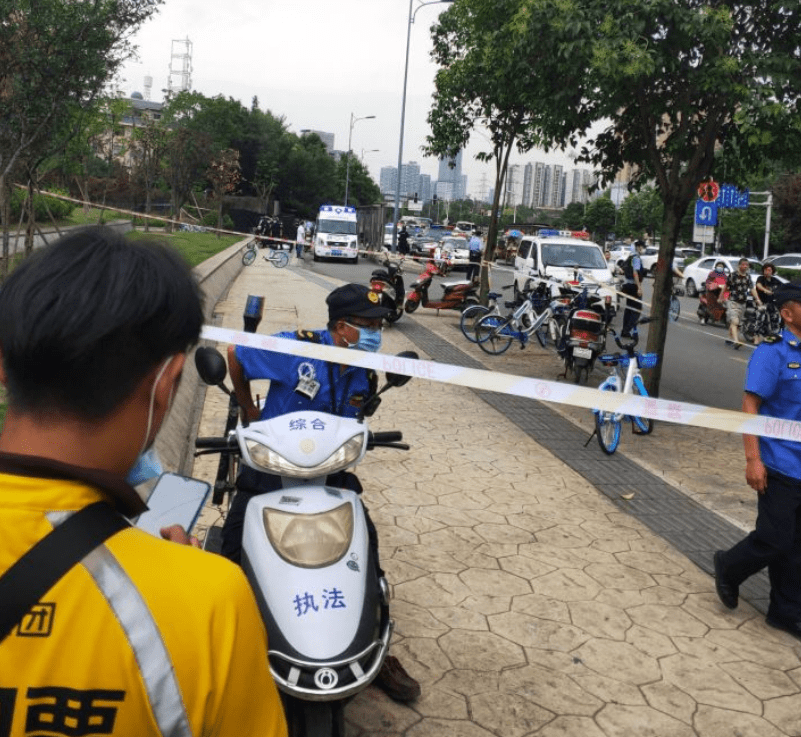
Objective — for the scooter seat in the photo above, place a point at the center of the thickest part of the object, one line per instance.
(452, 284)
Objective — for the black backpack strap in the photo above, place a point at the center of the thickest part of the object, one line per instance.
(33, 575)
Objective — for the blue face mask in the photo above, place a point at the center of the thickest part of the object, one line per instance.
(147, 466)
(369, 339)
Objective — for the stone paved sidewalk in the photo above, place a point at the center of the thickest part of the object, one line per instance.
(526, 602)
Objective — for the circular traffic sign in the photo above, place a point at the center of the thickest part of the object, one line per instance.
(708, 191)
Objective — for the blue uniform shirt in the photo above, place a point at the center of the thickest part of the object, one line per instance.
(774, 375)
(340, 393)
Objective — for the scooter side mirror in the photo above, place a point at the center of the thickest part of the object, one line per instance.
(210, 365)
(397, 380)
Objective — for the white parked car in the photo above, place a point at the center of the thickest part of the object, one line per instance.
(560, 257)
(785, 261)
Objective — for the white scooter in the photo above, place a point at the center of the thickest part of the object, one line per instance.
(307, 556)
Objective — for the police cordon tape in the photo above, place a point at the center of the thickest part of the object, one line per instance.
(680, 413)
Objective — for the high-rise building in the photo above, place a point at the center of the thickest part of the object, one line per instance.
(538, 186)
(528, 179)
(555, 199)
(409, 179)
(388, 181)
(424, 188)
(450, 172)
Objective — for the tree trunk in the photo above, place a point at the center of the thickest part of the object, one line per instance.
(5, 218)
(492, 231)
(663, 289)
(31, 220)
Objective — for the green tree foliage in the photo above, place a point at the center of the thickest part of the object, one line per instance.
(641, 214)
(572, 217)
(672, 79)
(485, 79)
(297, 170)
(787, 201)
(55, 56)
(600, 218)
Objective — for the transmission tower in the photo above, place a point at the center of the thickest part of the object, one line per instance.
(180, 67)
(482, 192)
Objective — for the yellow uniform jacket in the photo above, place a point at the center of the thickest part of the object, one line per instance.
(143, 637)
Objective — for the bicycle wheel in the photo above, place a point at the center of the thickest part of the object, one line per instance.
(675, 308)
(279, 259)
(607, 428)
(492, 334)
(249, 257)
(469, 320)
(644, 424)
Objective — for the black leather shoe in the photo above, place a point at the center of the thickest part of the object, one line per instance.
(393, 679)
(794, 628)
(727, 593)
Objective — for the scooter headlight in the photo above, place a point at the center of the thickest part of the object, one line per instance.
(310, 540)
(266, 458)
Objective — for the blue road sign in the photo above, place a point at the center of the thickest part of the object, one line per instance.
(706, 213)
(730, 196)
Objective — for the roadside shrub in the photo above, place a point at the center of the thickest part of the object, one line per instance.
(58, 208)
(210, 221)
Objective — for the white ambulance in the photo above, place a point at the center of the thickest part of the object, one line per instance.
(336, 234)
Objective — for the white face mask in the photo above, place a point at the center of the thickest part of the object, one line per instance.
(152, 407)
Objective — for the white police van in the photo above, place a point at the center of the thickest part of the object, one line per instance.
(336, 234)
(562, 255)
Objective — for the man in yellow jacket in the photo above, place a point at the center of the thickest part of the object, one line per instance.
(143, 636)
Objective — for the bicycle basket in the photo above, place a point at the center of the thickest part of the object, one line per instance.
(647, 360)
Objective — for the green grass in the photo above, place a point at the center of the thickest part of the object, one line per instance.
(194, 247)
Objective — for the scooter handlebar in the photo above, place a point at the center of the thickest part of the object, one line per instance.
(388, 436)
(218, 444)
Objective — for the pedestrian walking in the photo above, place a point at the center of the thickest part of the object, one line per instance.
(773, 470)
(403, 241)
(300, 239)
(738, 285)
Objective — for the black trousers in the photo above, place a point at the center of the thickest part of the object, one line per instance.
(775, 543)
(252, 483)
(633, 309)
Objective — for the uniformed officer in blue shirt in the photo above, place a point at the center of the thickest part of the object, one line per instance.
(355, 318)
(773, 470)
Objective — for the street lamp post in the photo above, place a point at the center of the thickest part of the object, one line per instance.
(353, 121)
(368, 151)
(403, 116)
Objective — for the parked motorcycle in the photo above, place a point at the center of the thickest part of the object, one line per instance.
(456, 295)
(306, 553)
(388, 284)
(584, 333)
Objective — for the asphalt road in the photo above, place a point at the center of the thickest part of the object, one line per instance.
(699, 368)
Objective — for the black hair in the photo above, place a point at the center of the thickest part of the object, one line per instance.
(84, 320)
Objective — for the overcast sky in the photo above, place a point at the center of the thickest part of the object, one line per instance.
(314, 62)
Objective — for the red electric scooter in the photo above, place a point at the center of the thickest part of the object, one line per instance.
(456, 295)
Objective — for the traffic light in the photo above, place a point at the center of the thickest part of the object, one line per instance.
(415, 196)
(434, 199)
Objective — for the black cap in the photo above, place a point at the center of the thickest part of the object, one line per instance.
(356, 300)
(787, 293)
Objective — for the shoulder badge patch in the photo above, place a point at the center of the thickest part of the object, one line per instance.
(308, 336)
(794, 365)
